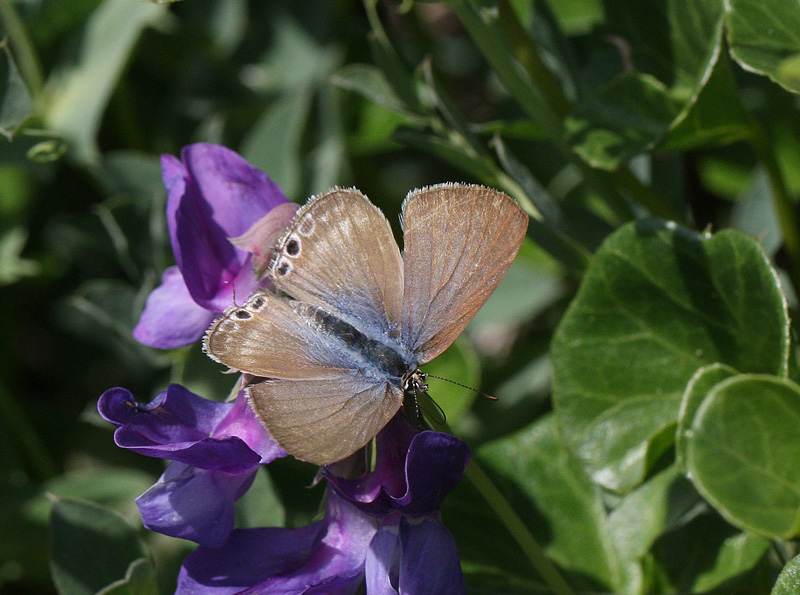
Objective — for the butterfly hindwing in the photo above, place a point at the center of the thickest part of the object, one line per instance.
(458, 244)
(323, 421)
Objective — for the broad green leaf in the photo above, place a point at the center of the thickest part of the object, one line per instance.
(273, 143)
(79, 88)
(764, 37)
(738, 554)
(716, 118)
(789, 579)
(705, 553)
(15, 100)
(113, 488)
(658, 302)
(91, 547)
(696, 391)
(624, 119)
(743, 453)
(140, 579)
(370, 82)
(652, 509)
(556, 499)
(261, 506)
(668, 49)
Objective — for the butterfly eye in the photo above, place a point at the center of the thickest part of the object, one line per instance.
(293, 247)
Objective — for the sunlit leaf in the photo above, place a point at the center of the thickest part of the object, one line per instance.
(79, 88)
(658, 302)
(764, 36)
(743, 453)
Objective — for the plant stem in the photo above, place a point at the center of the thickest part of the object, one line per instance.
(519, 531)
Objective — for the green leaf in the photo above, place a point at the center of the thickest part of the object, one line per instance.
(716, 118)
(743, 453)
(110, 487)
(549, 489)
(668, 51)
(261, 506)
(140, 579)
(652, 509)
(705, 553)
(789, 579)
(13, 266)
(626, 118)
(79, 88)
(15, 99)
(370, 82)
(764, 37)
(91, 547)
(658, 302)
(737, 555)
(703, 381)
(273, 143)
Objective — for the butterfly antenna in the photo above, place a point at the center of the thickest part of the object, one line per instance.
(488, 396)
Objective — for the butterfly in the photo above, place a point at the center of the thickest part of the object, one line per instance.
(340, 344)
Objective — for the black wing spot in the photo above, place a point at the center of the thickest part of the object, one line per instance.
(243, 314)
(283, 268)
(293, 247)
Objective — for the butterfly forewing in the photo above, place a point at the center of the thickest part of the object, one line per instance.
(458, 244)
(323, 421)
(340, 254)
(266, 337)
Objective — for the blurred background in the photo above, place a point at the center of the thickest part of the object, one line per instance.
(385, 96)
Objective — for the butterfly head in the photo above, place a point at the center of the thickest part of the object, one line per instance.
(415, 383)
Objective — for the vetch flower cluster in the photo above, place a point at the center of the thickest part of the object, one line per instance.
(381, 527)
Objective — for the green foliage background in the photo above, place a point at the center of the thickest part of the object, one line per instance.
(646, 437)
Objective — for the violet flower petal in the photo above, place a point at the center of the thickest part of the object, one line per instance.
(326, 557)
(382, 567)
(243, 423)
(185, 427)
(429, 564)
(214, 195)
(193, 503)
(171, 318)
(433, 466)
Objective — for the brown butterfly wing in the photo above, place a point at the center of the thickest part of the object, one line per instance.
(323, 421)
(267, 337)
(459, 242)
(340, 254)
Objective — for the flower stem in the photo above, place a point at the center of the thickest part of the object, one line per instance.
(530, 547)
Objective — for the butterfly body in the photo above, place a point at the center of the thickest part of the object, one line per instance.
(341, 352)
(385, 359)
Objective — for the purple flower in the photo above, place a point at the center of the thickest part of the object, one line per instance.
(216, 449)
(383, 528)
(327, 557)
(412, 552)
(213, 197)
